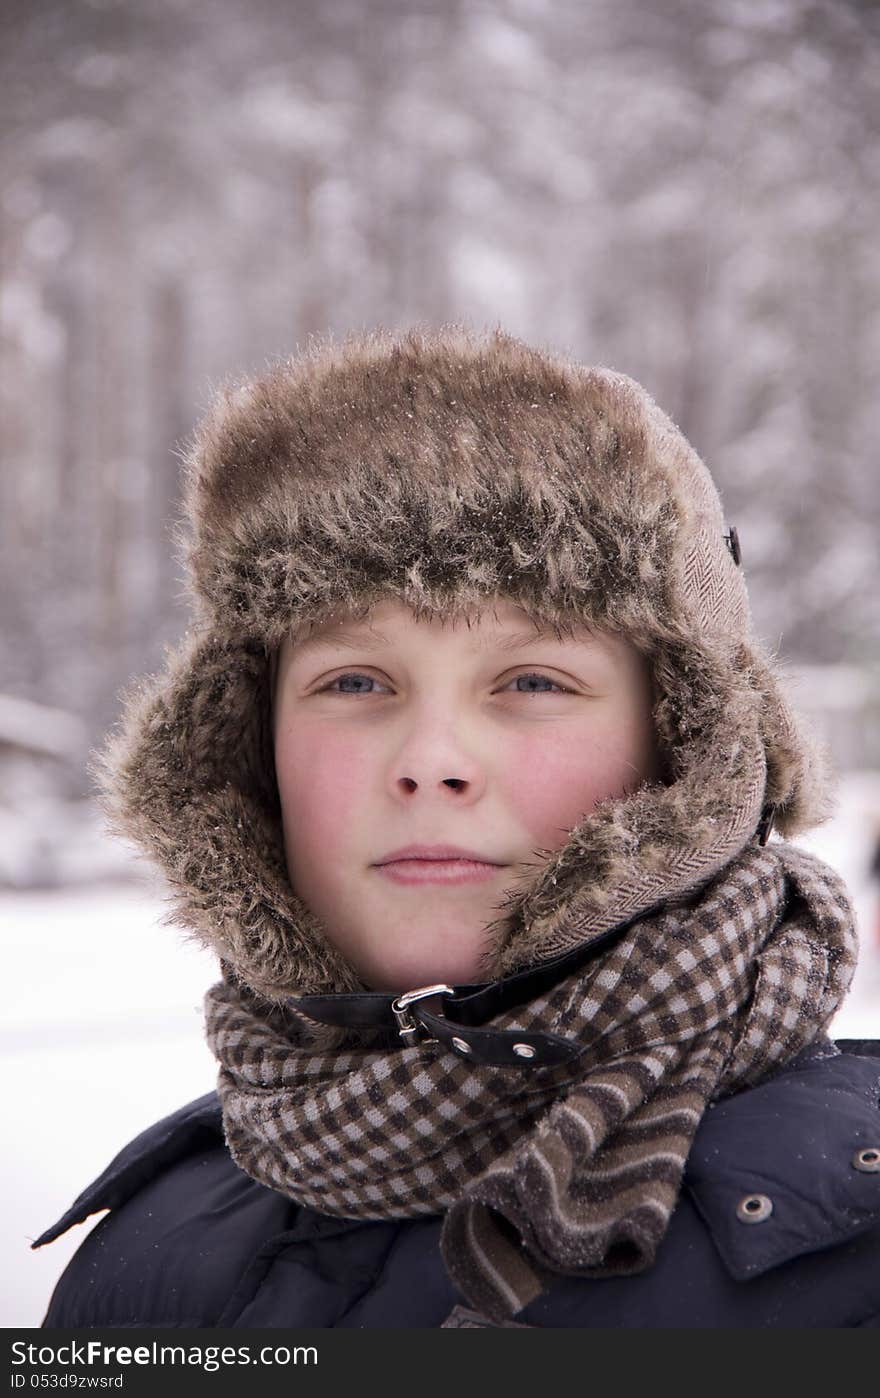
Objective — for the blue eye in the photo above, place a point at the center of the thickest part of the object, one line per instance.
(533, 675)
(353, 675)
(356, 675)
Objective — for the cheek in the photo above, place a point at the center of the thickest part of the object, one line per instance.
(553, 780)
(319, 783)
(544, 782)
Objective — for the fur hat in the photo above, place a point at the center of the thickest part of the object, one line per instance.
(442, 468)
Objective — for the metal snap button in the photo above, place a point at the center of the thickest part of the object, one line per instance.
(754, 1208)
(867, 1159)
(524, 1050)
(461, 1044)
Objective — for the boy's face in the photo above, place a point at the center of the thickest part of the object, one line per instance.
(400, 732)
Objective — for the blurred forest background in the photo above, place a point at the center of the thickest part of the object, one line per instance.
(686, 190)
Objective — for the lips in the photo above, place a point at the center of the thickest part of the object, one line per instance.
(438, 871)
(435, 853)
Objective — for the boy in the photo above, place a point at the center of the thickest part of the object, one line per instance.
(468, 773)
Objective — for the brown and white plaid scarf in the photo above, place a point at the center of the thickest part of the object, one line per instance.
(572, 1169)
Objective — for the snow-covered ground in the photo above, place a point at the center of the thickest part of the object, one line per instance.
(103, 1036)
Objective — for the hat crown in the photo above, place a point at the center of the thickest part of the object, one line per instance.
(446, 467)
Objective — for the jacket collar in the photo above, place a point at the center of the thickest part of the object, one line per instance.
(190, 1128)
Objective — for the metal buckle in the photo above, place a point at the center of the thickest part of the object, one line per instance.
(408, 1026)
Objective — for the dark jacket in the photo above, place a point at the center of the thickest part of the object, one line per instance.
(191, 1240)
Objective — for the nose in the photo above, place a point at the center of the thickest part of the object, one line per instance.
(438, 756)
(457, 783)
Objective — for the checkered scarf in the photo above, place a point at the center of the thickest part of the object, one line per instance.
(571, 1169)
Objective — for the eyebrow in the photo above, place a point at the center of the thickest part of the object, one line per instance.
(375, 640)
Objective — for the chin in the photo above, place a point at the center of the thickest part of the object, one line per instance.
(400, 980)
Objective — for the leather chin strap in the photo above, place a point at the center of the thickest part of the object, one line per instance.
(454, 1015)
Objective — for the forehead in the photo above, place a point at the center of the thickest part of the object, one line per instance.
(499, 621)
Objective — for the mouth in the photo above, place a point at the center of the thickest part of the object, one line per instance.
(436, 854)
(433, 870)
